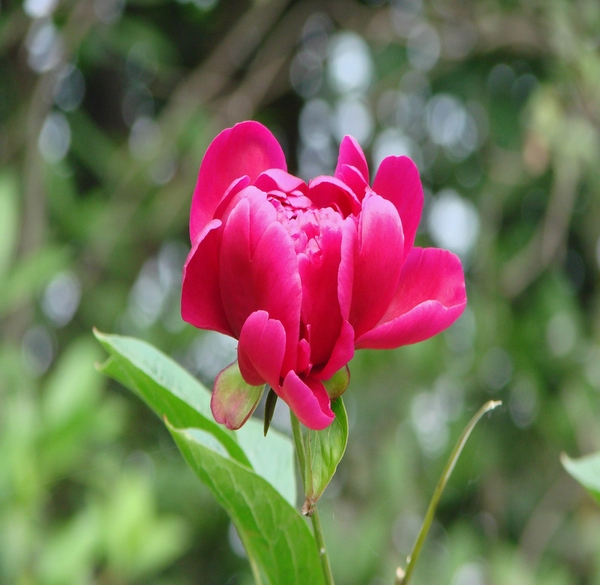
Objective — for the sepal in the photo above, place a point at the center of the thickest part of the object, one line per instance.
(234, 400)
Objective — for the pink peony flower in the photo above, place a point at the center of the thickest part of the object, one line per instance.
(302, 275)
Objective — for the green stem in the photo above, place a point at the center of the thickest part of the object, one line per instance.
(323, 556)
(403, 577)
(316, 520)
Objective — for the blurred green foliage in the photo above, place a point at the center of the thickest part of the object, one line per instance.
(106, 108)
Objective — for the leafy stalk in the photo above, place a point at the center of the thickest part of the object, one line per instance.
(306, 481)
(403, 577)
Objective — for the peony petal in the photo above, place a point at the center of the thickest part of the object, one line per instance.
(430, 297)
(342, 353)
(308, 400)
(276, 179)
(259, 271)
(201, 303)
(261, 349)
(246, 149)
(351, 154)
(320, 305)
(398, 181)
(346, 271)
(233, 400)
(351, 176)
(330, 192)
(377, 264)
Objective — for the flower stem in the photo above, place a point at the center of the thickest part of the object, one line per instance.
(314, 516)
(403, 577)
(323, 556)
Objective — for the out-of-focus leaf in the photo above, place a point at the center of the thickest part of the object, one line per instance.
(586, 470)
(138, 541)
(279, 544)
(70, 550)
(9, 218)
(324, 450)
(173, 393)
(30, 276)
(73, 384)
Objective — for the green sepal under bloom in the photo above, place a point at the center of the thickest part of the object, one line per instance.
(337, 384)
(234, 400)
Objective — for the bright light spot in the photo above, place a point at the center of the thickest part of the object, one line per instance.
(391, 142)
(70, 88)
(210, 353)
(44, 46)
(315, 34)
(61, 298)
(423, 47)
(523, 403)
(37, 350)
(144, 139)
(561, 334)
(315, 123)
(496, 368)
(306, 74)
(350, 64)
(450, 125)
(501, 79)
(163, 170)
(469, 574)
(429, 421)
(453, 223)
(313, 162)
(460, 337)
(411, 115)
(55, 138)
(404, 15)
(354, 118)
(109, 11)
(39, 8)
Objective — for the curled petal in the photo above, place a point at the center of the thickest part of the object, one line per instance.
(308, 400)
(279, 180)
(351, 154)
(201, 303)
(430, 297)
(261, 349)
(398, 181)
(331, 192)
(246, 149)
(377, 263)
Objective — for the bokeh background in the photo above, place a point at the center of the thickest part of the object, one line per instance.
(106, 109)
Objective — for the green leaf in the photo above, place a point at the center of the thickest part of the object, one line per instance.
(173, 393)
(279, 544)
(586, 470)
(323, 451)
